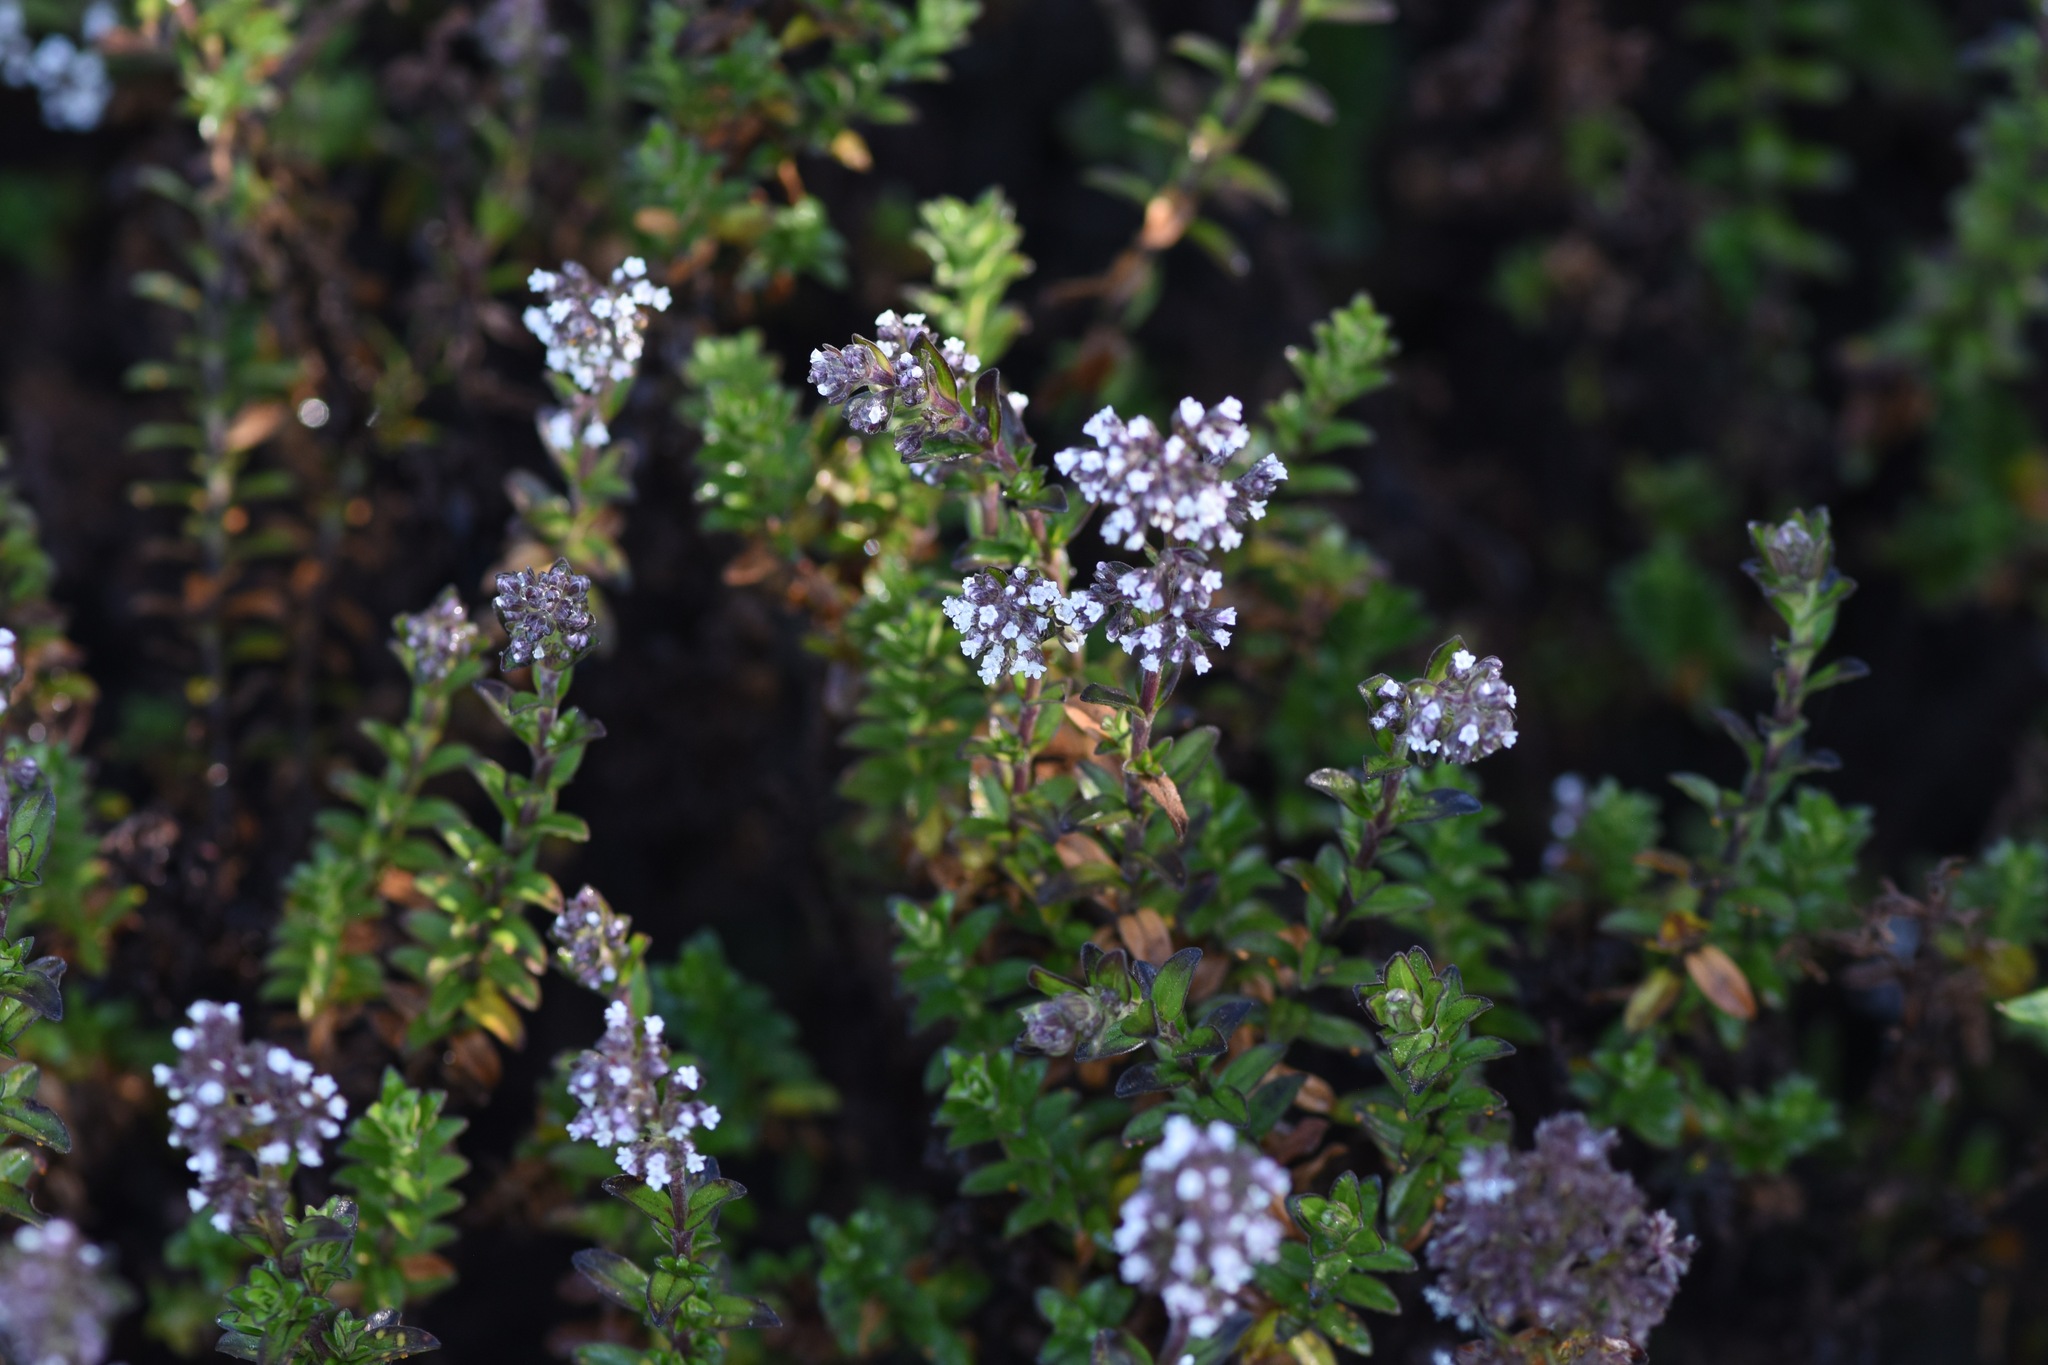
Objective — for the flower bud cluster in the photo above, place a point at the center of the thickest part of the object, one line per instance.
(1172, 481)
(1005, 619)
(594, 333)
(1554, 1239)
(227, 1094)
(1200, 1221)
(1055, 1027)
(57, 1301)
(892, 370)
(70, 79)
(1462, 719)
(593, 942)
(547, 614)
(1160, 613)
(434, 642)
(631, 1100)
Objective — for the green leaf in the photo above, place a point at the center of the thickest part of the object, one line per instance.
(617, 1278)
(1169, 992)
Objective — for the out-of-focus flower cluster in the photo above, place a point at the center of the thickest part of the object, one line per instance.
(1462, 719)
(70, 78)
(432, 643)
(893, 372)
(593, 942)
(594, 332)
(229, 1096)
(1005, 619)
(1200, 1221)
(1172, 481)
(1557, 1240)
(514, 34)
(547, 614)
(57, 1300)
(1160, 613)
(633, 1102)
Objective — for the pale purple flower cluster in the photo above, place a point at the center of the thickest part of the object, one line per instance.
(1172, 481)
(1160, 613)
(434, 642)
(593, 942)
(227, 1094)
(57, 1300)
(1005, 619)
(594, 333)
(892, 371)
(69, 77)
(1200, 1222)
(1462, 719)
(1554, 1239)
(547, 614)
(632, 1102)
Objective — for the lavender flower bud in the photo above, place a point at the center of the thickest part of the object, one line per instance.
(631, 1101)
(547, 614)
(1200, 1222)
(231, 1098)
(1054, 1027)
(892, 369)
(594, 334)
(57, 1301)
(1160, 613)
(1794, 553)
(839, 374)
(1172, 481)
(1555, 1239)
(433, 643)
(1462, 719)
(1005, 620)
(593, 941)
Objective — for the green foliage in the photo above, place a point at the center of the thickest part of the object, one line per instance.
(754, 1069)
(472, 945)
(1780, 64)
(1679, 620)
(757, 458)
(401, 1164)
(1321, 1286)
(282, 1311)
(2009, 883)
(1437, 1107)
(1964, 330)
(682, 1298)
(974, 256)
(324, 959)
(728, 112)
(1076, 1320)
(879, 1284)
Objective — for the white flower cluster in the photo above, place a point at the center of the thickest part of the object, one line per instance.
(70, 79)
(1462, 719)
(1172, 481)
(10, 664)
(1005, 619)
(57, 1300)
(226, 1092)
(1200, 1221)
(594, 333)
(631, 1101)
(1160, 613)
